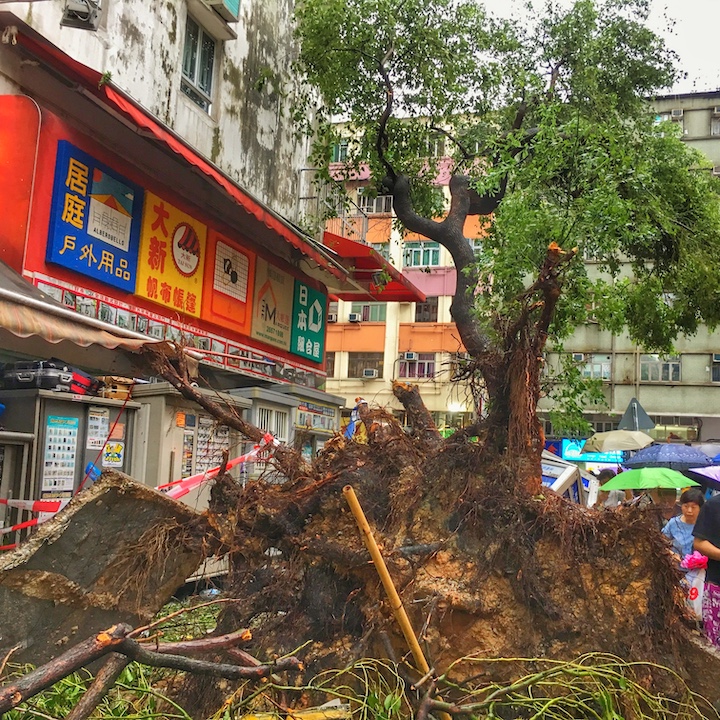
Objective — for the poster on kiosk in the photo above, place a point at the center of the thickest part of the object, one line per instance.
(79, 440)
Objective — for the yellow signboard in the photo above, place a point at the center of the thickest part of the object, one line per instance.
(172, 257)
(272, 305)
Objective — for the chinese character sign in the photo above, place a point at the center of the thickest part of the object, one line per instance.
(172, 257)
(272, 305)
(308, 326)
(95, 219)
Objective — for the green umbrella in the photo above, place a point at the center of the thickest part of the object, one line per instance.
(648, 478)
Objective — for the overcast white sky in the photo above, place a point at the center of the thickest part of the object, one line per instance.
(691, 28)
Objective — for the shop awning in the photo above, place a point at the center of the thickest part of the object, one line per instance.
(99, 88)
(372, 272)
(34, 325)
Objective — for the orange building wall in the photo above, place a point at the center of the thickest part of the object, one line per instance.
(368, 337)
(429, 337)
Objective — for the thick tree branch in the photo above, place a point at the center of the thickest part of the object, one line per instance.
(158, 358)
(419, 417)
(381, 142)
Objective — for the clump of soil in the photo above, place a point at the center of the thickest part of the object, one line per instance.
(483, 569)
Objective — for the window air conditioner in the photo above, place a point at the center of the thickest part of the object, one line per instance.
(578, 357)
(229, 10)
(716, 170)
(716, 357)
(409, 356)
(369, 373)
(332, 317)
(676, 113)
(355, 317)
(716, 111)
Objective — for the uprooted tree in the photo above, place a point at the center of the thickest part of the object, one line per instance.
(555, 147)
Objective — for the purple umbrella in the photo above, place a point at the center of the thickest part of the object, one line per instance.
(669, 455)
(708, 477)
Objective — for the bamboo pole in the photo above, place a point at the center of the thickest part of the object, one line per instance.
(395, 601)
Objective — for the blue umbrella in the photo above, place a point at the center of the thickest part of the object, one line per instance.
(669, 455)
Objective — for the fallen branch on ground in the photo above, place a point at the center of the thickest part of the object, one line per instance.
(116, 640)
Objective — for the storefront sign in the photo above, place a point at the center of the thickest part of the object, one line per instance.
(308, 322)
(316, 417)
(94, 219)
(571, 450)
(229, 282)
(61, 440)
(272, 305)
(172, 257)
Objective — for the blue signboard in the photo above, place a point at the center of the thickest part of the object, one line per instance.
(94, 219)
(571, 450)
(308, 323)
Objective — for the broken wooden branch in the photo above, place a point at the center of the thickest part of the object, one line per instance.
(104, 679)
(203, 645)
(73, 659)
(115, 640)
(137, 652)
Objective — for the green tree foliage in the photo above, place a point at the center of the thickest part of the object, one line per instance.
(552, 138)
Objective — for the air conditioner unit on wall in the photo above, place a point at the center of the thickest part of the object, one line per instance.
(716, 111)
(369, 373)
(716, 357)
(677, 113)
(578, 357)
(81, 14)
(355, 317)
(716, 170)
(229, 10)
(410, 356)
(332, 317)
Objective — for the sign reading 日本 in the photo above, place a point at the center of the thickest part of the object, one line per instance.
(95, 219)
(308, 323)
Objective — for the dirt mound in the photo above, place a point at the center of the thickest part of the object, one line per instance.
(483, 570)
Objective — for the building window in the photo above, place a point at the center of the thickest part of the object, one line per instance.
(274, 421)
(374, 204)
(653, 368)
(421, 254)
(427, 311)
(435, 146)
(330, 364)
(422, 368)
(359, 362)
(597, 367)
(715, 368)
(197, 66)
(370, 312)
(340, 151)
(715, 126)
(384, 250)
(601, 426)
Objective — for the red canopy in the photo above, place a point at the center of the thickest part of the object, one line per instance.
(375, 275)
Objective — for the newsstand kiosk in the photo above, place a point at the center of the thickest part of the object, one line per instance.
(73, 437)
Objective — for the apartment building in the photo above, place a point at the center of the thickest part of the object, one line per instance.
(369, 344)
